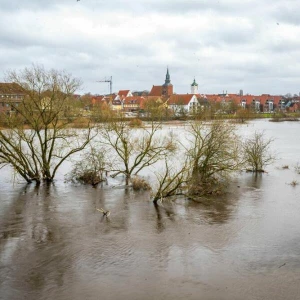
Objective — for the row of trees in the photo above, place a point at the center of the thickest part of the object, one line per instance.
(197, 164)
(40, 137)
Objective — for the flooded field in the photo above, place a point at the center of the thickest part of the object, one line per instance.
(54, 244)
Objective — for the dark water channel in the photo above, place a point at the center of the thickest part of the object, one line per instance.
(245, 245)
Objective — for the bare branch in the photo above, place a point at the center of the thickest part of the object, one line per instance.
(38, 140)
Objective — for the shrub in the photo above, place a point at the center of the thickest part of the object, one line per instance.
(294, 183)
(257, 152)
(214, 154)
(297, 168)
(90, 177)
(81, 122)
(90, 169)
(135, 123)
(139, 184)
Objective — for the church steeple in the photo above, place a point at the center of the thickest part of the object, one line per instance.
(167, 87)
(168, 80)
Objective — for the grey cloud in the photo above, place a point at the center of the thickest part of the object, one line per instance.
(186, 6)
(284, 47)
(28, 5)
(134, 6)
(236, 48)
(287, 12)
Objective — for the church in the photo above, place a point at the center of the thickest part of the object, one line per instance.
(177, 102)
(165, 90)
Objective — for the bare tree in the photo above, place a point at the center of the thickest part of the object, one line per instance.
(214, 154)
(91, 168)
(257, 153)
(171, 181)
(38, 138)
(135, 149)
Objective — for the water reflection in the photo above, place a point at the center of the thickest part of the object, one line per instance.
(216, 209)
(29, 227)
(12, 218)
(254, 180)
(163, 211)
(243, 245)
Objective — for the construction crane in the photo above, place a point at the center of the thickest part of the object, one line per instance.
(110, 83)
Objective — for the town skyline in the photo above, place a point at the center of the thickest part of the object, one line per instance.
(106, 80)
(226, 45)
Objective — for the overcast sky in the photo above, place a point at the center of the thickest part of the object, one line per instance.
(225, 44)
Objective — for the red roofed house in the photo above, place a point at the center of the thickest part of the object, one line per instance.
(293, 106)
(122, 94)
(11, 95)
(101, 101)
(185, 103)
(118, 101)
(133, 104)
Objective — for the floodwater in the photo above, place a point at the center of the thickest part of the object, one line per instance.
(54, 244)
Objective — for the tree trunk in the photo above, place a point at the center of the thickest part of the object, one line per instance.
(127, 178)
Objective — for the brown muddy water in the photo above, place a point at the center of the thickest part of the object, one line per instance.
(54, 244)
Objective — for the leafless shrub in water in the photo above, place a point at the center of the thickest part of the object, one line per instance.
(297, 168)
(294, 183)
(139, 184)
(135, 152)
(257, 153)
(90, 169)
(214, 154)
(171, 181)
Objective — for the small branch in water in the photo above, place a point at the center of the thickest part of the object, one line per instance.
(282, 265)
(105, 213)
(257, 171)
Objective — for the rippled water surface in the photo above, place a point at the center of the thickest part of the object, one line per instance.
(54, 244)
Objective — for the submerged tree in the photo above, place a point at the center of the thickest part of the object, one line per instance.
(214, 154)
(38, 138)
(91, 168)
(135, 149)
(171, 181)
(257, 153)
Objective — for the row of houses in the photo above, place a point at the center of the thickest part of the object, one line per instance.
(127, 101)
(261, 103)
(188, 103)
(11, 94)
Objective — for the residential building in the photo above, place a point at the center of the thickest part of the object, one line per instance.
(183, 103)
(11, 95)
(133, 104)
(122, 94)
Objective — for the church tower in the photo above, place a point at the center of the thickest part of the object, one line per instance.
(194, 87)
(167, 87)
